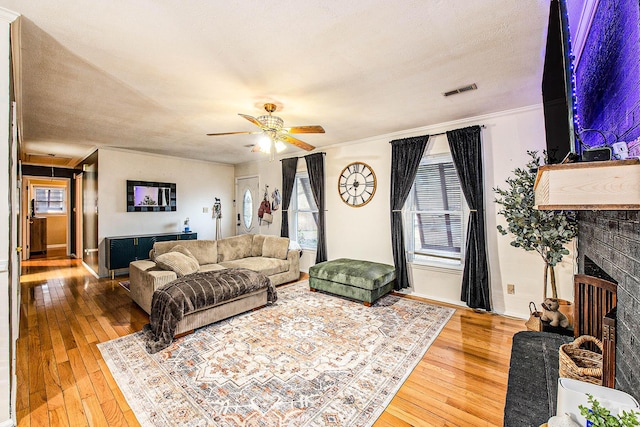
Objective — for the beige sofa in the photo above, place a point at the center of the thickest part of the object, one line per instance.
(269, 255)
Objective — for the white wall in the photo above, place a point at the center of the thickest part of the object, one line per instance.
(364, 233)
(197, 183)
(5, 344)
(8, 315)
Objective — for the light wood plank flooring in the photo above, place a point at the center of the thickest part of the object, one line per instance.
(63, 380)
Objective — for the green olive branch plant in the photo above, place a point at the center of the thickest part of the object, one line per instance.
(543, 231)
(599, 416)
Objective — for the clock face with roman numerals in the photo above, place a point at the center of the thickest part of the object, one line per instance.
(357, 184)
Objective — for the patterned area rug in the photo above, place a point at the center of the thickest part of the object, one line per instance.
(311, 359)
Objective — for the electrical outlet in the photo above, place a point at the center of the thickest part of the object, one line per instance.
(511, 288)
(205, 210)
(620, 150)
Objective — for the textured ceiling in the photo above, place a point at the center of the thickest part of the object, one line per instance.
(157, 75)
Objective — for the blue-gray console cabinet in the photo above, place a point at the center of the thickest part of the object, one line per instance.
(121, 250)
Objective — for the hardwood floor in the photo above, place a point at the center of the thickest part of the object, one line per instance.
(63, 380)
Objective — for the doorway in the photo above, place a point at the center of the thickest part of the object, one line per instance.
(46, 211)
(247, 203)
(90, 212)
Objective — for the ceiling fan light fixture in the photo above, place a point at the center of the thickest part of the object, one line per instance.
(280, 146)
(275, 136)
(272, 123)
(265, 144)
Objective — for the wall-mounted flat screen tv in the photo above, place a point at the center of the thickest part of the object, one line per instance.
(557, 86)
(146, 196)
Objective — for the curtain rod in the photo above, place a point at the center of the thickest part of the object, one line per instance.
(319, 152)
(444, 133)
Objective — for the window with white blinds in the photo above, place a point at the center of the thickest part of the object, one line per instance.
(49, 200)
(303, 214)
(435, 212)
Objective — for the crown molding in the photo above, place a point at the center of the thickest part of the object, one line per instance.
(437, 128)
(7, 15)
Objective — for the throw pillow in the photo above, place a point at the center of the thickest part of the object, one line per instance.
(275, 247)
(178, 262)
(184, 251)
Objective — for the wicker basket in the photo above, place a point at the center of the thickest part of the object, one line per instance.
(580, 364)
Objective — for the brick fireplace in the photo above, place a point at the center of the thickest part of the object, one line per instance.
(608, 96)
(611, 240)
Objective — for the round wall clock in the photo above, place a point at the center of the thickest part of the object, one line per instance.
(357, 184)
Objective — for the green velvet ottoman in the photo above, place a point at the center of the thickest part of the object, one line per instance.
(360, 280)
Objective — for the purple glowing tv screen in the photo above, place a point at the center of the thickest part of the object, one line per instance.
(147, 196)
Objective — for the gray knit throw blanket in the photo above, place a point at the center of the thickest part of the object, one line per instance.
(196, 291)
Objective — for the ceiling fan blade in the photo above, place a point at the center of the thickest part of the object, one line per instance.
(305, 129)
(296, 142)
(232, 133)
(251, 119)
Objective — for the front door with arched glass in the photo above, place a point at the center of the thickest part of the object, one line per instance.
(247, 203)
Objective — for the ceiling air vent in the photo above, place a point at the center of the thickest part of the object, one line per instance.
(461, 89)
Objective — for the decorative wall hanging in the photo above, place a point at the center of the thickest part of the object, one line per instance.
(357, 184)
(264, 211)
(277, 199)
(217, 215)
(217, 208)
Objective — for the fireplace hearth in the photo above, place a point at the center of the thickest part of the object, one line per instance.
(609, 248)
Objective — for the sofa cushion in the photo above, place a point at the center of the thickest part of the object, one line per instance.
(177, 262)
(275, 247)
(256, 246)
(205, 251)
(236, 247)
(211, 267)
(266, 266)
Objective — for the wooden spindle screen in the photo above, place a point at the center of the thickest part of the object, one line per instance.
(594, 299)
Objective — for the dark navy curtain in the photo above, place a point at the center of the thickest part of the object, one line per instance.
(315, 169)
(289, 167)
(466, 151)
(405, 159)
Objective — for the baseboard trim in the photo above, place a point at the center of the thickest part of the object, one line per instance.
(513, 314)
(90, 270)
(56, 246)
(434, 299)
(7, 423)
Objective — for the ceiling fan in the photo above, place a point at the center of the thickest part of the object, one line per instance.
(273, 128)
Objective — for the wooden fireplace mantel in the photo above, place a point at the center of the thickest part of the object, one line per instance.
(608, 185)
